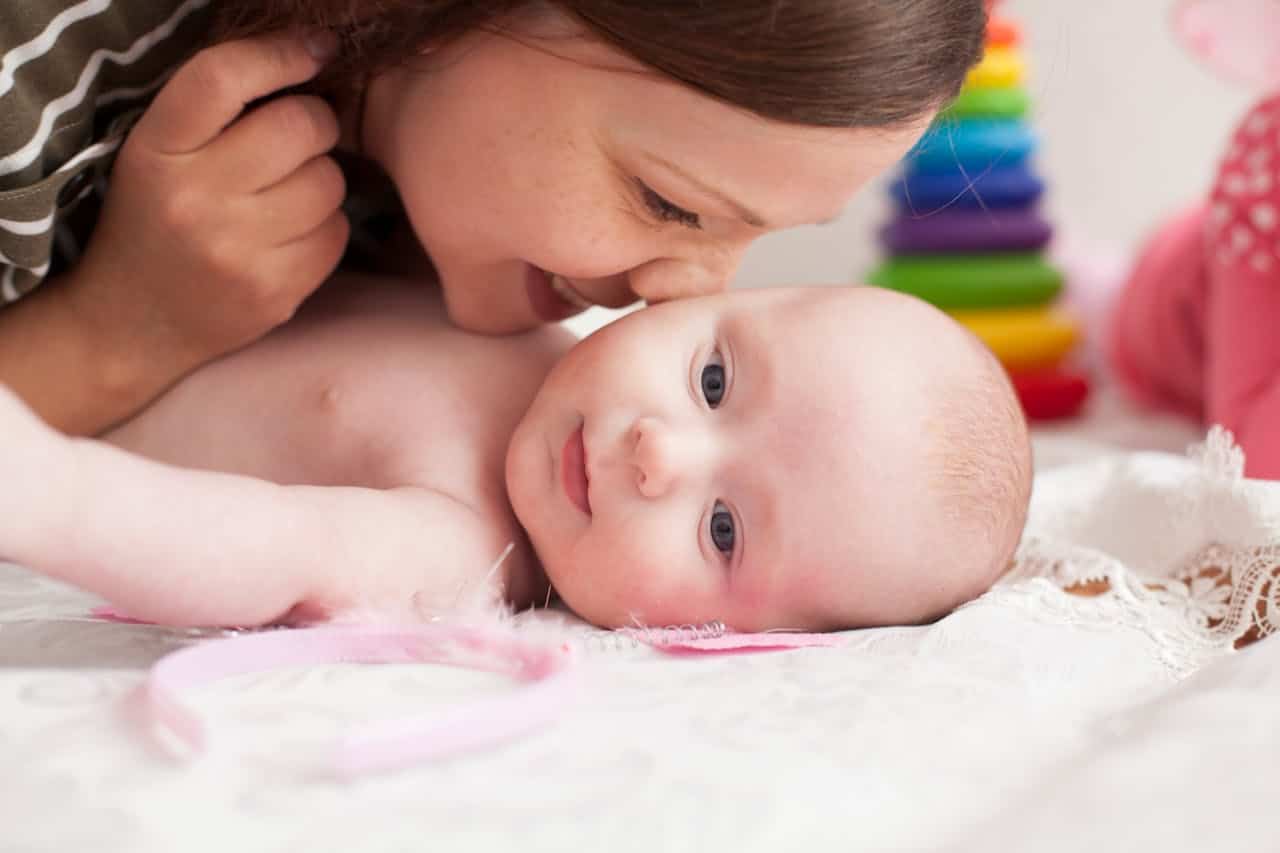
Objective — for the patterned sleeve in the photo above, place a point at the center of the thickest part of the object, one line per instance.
(1242, 249)
(73, 75)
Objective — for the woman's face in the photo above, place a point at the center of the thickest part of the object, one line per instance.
(549, 172)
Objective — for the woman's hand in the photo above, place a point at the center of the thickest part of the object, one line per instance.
(220, 220)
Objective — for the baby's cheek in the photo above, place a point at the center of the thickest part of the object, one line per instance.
(650, 585)
(753, 600)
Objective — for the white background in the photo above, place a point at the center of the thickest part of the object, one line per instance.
(1130, 126)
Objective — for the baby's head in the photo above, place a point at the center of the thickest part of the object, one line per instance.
(809, 458)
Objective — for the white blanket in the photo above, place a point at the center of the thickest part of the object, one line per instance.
(1115, 716)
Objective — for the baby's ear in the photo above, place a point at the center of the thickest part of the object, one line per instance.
(1237, 39)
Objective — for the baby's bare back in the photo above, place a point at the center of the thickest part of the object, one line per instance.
(367, 386)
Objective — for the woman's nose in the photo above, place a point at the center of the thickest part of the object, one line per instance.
(657, 457)
(669, 278)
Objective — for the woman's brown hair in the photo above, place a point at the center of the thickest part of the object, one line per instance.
(830, 63)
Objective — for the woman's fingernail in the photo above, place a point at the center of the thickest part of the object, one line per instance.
(322, 45)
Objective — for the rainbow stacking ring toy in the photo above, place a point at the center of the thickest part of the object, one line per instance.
(972, 281)
(989, 103)
(1051, 394)
(1020, 229)
(966, 233)
(1024, 339)
(1001, 66)
(973, 144)
(1003, 187)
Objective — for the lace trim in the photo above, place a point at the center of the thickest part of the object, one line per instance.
(1221, 598)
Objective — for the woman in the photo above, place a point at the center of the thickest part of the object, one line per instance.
(546, 156)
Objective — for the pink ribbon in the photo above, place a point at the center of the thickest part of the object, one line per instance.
(395, 744)
(386, 745)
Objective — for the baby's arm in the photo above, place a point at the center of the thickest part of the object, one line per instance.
(1243, 247)
(179, 546)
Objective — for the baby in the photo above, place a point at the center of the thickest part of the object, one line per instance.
(804, 458)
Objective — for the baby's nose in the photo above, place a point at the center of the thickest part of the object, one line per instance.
(658, 456)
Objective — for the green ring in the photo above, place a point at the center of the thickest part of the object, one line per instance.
(989, 102)
(955, 282)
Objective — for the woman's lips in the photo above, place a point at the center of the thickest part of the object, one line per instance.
(547, 299)
(573, 471)
(566, 291)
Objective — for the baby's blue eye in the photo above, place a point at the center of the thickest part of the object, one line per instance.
(713, 383)
(722, 528)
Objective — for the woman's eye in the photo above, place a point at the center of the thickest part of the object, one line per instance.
(722, 535)
(713, 381)
(665, 211)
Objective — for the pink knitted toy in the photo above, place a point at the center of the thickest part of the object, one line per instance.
(1197, 326)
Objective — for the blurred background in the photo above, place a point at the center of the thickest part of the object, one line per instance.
(1130, 129)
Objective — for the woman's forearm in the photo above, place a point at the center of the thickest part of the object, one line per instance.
(76, 383)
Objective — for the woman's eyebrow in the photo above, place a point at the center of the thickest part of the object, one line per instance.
(746, 214)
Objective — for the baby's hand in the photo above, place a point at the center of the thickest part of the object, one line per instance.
(218, 221)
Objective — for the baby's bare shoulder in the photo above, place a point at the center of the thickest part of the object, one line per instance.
(429, 398)
(369, 386)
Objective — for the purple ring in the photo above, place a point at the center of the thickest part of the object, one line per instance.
(959, 230)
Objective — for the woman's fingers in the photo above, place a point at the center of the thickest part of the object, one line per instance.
(212, 89)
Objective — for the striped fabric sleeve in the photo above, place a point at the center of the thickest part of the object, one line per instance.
(73, 76)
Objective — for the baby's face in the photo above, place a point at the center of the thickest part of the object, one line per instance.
(752, 458)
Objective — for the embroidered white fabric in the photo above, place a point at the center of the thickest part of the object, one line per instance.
(1093, 696)
(1186, 551)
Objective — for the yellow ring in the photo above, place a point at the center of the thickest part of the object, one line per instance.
(1024, 338)
(1000, 68)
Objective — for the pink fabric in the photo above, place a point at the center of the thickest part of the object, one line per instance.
(1239, 39)
(1243, 247)
(107, 613)
(1197, 327)
(762, 642)
(1155, 338)
(394, 744)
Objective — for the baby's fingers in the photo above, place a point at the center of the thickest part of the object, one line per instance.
(211, 90)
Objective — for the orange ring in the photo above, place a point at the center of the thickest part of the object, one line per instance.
(1003, 32)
